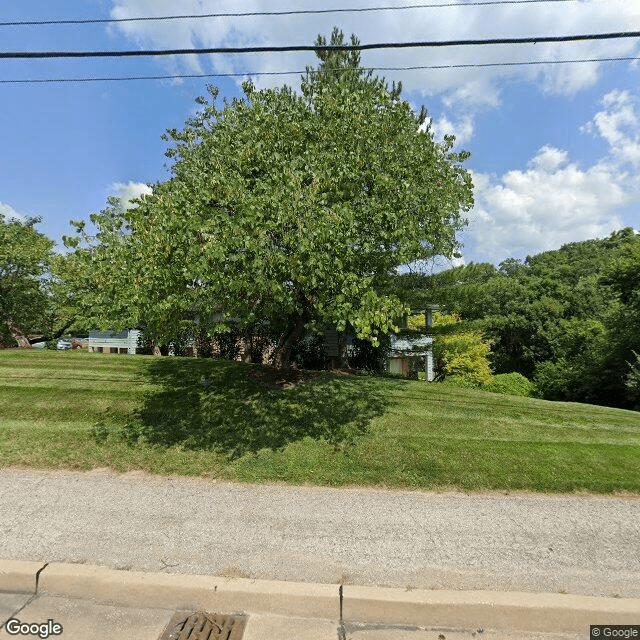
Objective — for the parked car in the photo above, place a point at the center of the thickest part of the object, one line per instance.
(64, 344)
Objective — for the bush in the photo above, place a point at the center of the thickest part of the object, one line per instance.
(308, 352)
(229, 343)
(460, 351)
(573, 380)
(366, 357)
(6, 340)
(556, 380)
(513, 384)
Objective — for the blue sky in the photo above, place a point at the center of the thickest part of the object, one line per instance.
(555, 148)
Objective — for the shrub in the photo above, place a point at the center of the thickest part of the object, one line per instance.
(513, 384)
(308, 352)
(365, 356)
(459, 381)
(460, 351)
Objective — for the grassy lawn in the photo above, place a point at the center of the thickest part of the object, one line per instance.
(74, 410)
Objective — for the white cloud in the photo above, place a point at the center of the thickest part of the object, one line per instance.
(462, 129)
(551, 203)
(126, 192)
(9, 212)
(178, 34)
(549, 159)
(618, 123)
(475, 86)
(554, 201)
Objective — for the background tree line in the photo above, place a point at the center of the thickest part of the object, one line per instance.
(568, 319)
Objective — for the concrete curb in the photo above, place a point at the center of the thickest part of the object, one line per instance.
(513, 611)
(526, 612)
(19, 576)
(174, 591)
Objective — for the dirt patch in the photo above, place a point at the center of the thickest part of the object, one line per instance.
(273, 378)
(233, 572)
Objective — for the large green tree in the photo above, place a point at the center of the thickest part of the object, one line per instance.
(27, 304)
(293, 209)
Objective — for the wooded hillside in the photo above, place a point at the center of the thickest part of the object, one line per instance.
(567, 319)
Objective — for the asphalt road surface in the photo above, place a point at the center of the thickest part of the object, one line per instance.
(574, 544)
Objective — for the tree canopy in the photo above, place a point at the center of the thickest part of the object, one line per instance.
(287, 208)
(26, 301)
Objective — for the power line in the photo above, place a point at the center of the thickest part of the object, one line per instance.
(285, 73)
(21, 23)
(273, 49)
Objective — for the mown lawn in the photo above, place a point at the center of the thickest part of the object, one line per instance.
(73, 410)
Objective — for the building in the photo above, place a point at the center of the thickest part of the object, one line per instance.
(111, 342)
(405, 349)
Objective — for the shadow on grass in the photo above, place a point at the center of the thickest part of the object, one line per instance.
(204, 404)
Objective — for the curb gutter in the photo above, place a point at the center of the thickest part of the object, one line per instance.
(526, 612)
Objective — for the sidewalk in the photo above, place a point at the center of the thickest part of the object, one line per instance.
(98, 603)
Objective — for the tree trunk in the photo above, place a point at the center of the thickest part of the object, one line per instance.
(282, 354)
(52, 336)
(18, 334)
(343, 342)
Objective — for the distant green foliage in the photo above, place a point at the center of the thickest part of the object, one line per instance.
(632, 381)
(513, 384)
(568, 320)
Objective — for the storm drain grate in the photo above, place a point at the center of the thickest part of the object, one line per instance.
(201, 625)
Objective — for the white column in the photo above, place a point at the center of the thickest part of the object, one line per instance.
(428, 365)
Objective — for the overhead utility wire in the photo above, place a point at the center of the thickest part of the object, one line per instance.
(289, 73)
(21, 23)
(271, 49)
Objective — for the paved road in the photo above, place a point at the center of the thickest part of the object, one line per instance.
(584, 545)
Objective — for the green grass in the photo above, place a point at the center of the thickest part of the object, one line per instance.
(72, 410)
